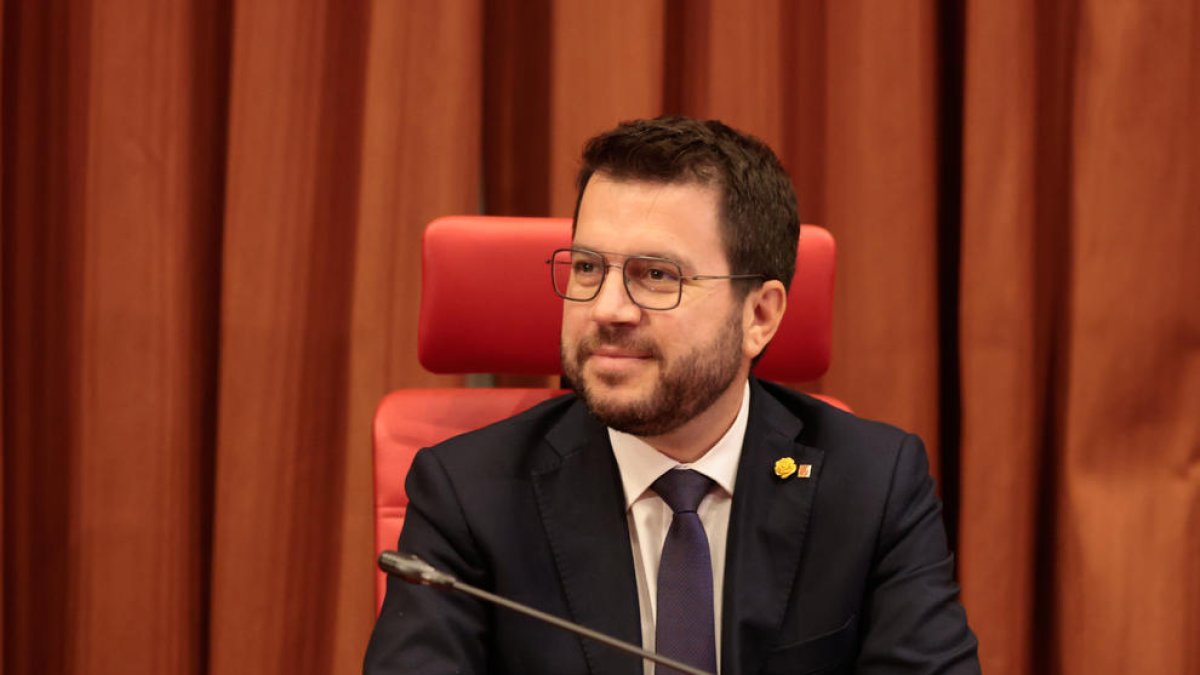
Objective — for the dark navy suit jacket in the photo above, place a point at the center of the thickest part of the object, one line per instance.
(845, 571)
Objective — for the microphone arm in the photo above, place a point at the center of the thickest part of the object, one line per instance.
(412, 569)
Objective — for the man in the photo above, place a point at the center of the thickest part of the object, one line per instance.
(684, 244)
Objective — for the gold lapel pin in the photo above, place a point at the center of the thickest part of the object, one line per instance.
(786, 466)
(804, 471)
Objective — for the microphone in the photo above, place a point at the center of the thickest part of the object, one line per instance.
(412, 569)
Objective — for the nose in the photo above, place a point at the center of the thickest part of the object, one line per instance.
(613, 304)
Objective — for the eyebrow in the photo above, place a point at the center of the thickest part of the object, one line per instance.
(682, 261)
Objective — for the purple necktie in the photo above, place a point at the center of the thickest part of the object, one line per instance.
(685, 628)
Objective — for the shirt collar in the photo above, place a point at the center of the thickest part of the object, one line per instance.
(640, 464)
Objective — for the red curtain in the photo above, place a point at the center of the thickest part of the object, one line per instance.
(209, 270)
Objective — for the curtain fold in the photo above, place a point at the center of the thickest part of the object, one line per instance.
(881, 204)
(111, 261)
(210, 271)
(1016, 226)
(1129, 488)
(290, 224)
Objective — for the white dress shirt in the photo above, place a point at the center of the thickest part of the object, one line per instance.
(649, 516)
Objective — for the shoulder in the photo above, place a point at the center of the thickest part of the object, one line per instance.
(509, 441)
(827, 427)
(865, 458)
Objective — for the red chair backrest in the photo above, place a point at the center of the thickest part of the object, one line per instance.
(479, 319)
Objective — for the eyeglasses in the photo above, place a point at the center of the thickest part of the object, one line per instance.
(652, 283)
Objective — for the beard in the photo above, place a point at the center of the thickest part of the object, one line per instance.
(687, 385)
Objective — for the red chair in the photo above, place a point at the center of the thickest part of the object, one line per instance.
(477, 319)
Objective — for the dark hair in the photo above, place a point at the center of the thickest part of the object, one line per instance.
(760, 226)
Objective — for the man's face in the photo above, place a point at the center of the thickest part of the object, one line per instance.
(642, 371)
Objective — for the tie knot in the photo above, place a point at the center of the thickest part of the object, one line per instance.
(682, 489)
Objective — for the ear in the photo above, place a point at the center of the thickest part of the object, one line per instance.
(761, 315)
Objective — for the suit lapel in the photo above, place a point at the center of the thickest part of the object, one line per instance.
(767, 528)
(582, 506)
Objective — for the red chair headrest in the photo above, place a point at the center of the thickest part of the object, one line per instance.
(487, 305)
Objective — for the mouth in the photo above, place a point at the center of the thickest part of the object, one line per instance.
(614, 359)
(616, 363)
(617, 353)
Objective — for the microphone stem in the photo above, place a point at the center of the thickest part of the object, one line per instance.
(582, 630)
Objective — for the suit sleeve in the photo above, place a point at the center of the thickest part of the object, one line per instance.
(914, 621)
(432, 630)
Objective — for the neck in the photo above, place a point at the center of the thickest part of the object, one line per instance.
(697, 436)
